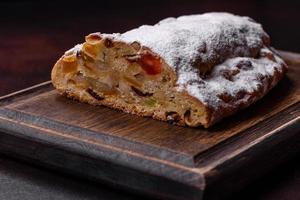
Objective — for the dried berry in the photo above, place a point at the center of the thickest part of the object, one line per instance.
(241, 94)
(229, 74)
(226, 97)
(141, 93)
(94, 94)
(149, 63)
(244, 64)
(202, 48)
(108, 43)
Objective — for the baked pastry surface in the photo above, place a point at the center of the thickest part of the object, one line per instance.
(191, 70)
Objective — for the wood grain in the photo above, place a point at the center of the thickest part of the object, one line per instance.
(125, 150)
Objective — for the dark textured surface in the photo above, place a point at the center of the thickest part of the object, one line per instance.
(21, 181)
(33, 35)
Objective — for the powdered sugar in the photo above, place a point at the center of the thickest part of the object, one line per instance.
(241, 80)
(198, 37)
(220, 39)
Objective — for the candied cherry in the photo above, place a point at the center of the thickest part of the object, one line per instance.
(150, 63)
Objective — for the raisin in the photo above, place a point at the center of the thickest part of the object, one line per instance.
(229, 75)
(78, 54)
(244, 64)
(141, 93)
(108, 43)
(225, 97)
(202, 48)
(94, 94)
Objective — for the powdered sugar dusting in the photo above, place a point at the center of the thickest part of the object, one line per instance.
(247, 79)
(183, 40)
(220, 39)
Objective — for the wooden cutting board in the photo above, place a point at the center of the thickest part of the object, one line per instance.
(148, 156)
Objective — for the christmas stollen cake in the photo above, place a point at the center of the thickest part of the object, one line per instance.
(191, 70)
